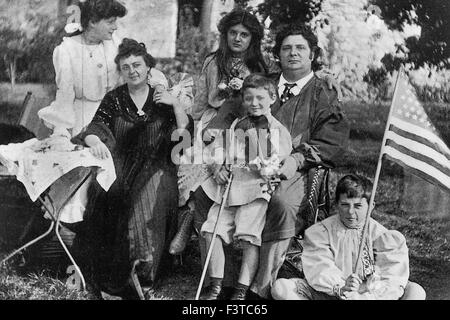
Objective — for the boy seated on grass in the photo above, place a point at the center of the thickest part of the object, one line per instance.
(258, 142)
(330, 251)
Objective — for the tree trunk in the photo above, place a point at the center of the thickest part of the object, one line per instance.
(205, 24)
(12, 72)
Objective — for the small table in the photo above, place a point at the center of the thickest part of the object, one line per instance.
(53, 178)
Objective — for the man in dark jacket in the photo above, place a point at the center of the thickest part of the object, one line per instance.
(319, 130)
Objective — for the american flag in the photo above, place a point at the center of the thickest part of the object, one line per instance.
(412, 140)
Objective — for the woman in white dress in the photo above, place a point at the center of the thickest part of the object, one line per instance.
(85, 72)
(85, 68)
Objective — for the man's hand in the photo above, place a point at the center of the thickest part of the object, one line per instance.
(352, 283)
(100, 151)
(288, 169)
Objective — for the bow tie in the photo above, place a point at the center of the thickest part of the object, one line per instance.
(258, 122)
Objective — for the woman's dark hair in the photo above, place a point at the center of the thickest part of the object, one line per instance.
(253, 58)
(130, 47)
(354, 186)
(307, 33)
(96, 10)
(258, 80)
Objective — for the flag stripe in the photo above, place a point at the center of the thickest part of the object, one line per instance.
(419, 148)
(421, 141)
(419, 165)
(418, 173)
(424, 133)
(424, 157)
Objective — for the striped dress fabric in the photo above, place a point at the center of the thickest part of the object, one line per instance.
(138, 209)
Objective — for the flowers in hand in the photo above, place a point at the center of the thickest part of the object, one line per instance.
(231, 88)
(268, 168)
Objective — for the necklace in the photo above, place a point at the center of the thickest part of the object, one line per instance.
(87, 45)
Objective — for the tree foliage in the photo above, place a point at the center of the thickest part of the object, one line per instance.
(287, 11)
(27, 38)
(354, 42)
(433, 16)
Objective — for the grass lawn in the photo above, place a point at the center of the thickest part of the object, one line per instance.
(427, 236)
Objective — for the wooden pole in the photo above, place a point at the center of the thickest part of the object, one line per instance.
(375, 183)
(211, 245)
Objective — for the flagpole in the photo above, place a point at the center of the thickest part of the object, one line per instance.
(375, 182)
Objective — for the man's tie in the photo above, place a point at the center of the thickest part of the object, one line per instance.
(287, 93)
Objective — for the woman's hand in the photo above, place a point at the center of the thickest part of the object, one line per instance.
(97, 147)
(333, 84)
(165, 97)
(100, 151)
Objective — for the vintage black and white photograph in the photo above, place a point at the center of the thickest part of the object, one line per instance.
(230, 150)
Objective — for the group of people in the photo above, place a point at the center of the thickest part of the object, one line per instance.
(111, 99)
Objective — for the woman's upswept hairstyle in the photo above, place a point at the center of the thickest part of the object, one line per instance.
(354, 186)
(130, 47)
(253, 58)
(307, 33)
(96, 10)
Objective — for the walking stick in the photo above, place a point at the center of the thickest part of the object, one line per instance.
(211, 245)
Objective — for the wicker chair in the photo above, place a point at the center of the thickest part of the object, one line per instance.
(318, 209)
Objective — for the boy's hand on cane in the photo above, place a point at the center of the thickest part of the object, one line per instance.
(221, 174)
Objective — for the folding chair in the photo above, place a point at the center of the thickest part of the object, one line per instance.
(318, 209)
(53, 200)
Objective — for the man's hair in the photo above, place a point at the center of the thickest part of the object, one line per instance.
(257, 80)
(253, 58)
(130, 47)
(294, 29)
(354, 186)
(97, 10)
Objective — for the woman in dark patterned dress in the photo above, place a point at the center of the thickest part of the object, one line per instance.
(134, 125)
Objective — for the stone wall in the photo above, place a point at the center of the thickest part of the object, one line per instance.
(153, 22)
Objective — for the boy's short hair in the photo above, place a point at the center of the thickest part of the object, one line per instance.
(257, 80)
(354, 186)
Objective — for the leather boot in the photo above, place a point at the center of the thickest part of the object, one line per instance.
(239, 293)
(213, 291)
(180, 240)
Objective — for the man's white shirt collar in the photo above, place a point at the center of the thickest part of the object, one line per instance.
(296, 89)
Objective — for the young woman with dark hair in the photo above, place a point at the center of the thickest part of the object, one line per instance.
(238, 55)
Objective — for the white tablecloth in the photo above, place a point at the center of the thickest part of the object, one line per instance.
(39, 170)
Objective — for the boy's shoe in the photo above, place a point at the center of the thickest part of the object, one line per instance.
(239, 294)
(212, 292)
